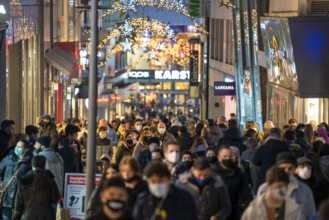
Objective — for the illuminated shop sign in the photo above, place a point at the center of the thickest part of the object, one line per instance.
(224, 89)
(159, 74)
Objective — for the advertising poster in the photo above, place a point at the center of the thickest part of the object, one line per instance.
(74, 194)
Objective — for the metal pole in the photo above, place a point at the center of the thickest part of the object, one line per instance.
(92, 93)
(41, 57)
(3, 78)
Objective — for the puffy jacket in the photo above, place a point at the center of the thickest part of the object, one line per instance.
(233, 137)
(50, 130)
(123, 151)
(300, 193)
(179, 205)
(54, 163)
(266, 156)
(8, 167)
(165, 138)
(257, 210)
(36, 193)
(212, 199)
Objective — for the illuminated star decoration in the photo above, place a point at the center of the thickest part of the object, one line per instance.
(162, 46)
(153, 54)
(226, 3)
(126, 45)
(126, 29)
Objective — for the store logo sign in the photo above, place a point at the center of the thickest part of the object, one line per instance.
(138, 74)
(172, 74)
(2, 9)
(224, 89)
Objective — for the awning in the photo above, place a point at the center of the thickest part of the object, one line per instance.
(61, 60)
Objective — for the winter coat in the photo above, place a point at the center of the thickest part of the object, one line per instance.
(165, 138)
(300, 193)
(69, 159)
(8, 167)
(257, 210)
(103, 146)
(50, 130)
(212, 199)
(296, 150)
(139, 148)
(303, 144)
(215, 134)
(174, 131)
(140, 187)
(233, 137)
(112, 135)
(237, 185)
(143, 158)
(324, 164)
(185, 142)
(54, 163)
(249, 154)
(266, 156)
(122, 151)
(33, 201)
(179, 205)
(4, 142)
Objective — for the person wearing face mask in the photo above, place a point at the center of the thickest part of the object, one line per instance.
(121, 133)
(164, 135)
(211, 157)
(163, 200)
(142, 151)
(103, 144)
(130, 174)
(208, 189)
(185, 164)
(274, 204)
(126, 147)
(171, 153)
(184, 138)
(304, 173)
(235, 180)
(36, 192)
(297, 190)
(114, 198)
(199, 147)
(17, 162)
(138, 125)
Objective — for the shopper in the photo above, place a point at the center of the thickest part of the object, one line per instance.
(164, 135)
(48, 128)
(208, 189)
(15, 165)
(163, 200)
(36, 193)
(126, 147)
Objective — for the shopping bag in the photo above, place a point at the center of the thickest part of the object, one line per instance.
(62, 214)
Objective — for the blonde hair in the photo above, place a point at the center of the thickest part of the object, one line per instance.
(131, 162)
(268, 125)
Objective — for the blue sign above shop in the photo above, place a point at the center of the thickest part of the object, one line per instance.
(224, 89)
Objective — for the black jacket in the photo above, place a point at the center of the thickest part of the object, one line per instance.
(185, 142)
(212, 199)
(237, 185)
(102, 216)
(4, 141)
(69, 159)
(233, 137)
(179, 205)
(140, 187)
(266, 156)
(35, 195)
(8, 167)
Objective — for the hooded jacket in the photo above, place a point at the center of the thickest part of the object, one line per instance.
(233, 137)
(212, 198)
(36, 193)
(55, 164)
(257, 210)
(8, 167)
(266, 156)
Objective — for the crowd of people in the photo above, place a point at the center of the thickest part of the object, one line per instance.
(169, 169)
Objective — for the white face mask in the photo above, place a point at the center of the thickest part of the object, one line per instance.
(279, 193)
(139, 127)
(102, 135)
(173, 157)
(159, 190)
(161, 130)
(305, 173)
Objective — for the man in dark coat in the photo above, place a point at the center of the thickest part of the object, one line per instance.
(208, 189)
(266, 155)
(68, 155)
(233, 136)
(163, 199)
(184, 140)
(36, 192)
(6, 133)
(236, 182)
(48, 128)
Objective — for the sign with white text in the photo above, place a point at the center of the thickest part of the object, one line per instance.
(224, 89)
(159, 75)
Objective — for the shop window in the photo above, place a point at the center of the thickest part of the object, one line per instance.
(181, 85)
(167, 86)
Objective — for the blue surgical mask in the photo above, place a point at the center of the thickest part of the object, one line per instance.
(18, 151)
(159, 190)
(199, 181)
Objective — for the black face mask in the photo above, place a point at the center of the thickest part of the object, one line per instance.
(200, 153)
(188, 163)
(132, 179)
(116, 205)
(228, 163)
(146, 139)
(130, 142)
(212, 159)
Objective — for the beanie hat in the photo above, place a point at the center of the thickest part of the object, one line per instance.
(286, 157)
(44, 141)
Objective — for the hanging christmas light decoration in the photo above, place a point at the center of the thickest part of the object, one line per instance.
(227, 4)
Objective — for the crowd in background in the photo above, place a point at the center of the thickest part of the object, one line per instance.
(169, 168)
